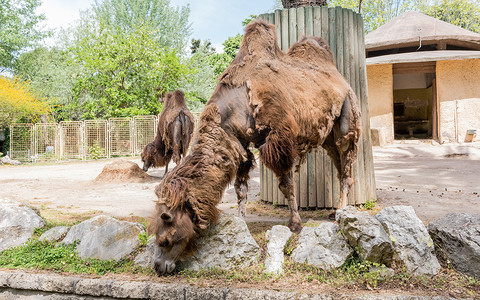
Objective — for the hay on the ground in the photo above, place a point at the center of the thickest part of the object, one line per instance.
(122, 170)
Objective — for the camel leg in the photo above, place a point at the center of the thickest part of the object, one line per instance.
(347, 150)
(341, 152)
(285, 184)
(341, 146)
(241, 183)
(166, 167)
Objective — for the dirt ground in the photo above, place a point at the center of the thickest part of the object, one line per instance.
(434, 179)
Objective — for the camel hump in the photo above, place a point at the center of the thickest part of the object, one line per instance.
(178, 94)
(211, 113)
(313, 49)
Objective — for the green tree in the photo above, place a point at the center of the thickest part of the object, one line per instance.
(51, 73)
(232, 44)
(124, 56)
(124, 16)
(200, 84)
(19, 103)
(378, 12)
(125, 73)
(19, 28)
(462, 13)
(196, 44)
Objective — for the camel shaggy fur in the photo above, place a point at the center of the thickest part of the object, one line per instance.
(175, 128)
(285, 104)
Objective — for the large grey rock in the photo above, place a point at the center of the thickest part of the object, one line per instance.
(17, 223)
(457, 239)
(322, 246)
(225, 245)
(365, 234)
(104, 238)
(54, 234)
(144, 258)
(7, 160)
(277, 237)
(412, 245)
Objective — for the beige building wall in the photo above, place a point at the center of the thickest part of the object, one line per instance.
(458, 94)
(380, 100)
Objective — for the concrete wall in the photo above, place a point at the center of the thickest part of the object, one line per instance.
(458, 94)
(380, 98)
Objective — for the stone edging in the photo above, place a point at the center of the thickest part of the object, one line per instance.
(74, 285)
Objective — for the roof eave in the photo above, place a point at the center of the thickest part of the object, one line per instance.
(461, 41)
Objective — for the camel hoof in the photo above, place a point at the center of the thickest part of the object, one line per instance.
(295, 227)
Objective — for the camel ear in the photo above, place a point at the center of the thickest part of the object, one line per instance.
(166, 217)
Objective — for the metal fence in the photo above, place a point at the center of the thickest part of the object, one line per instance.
(82, 140)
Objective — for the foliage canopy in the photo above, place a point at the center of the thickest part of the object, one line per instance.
(17, 102)
(18, 29)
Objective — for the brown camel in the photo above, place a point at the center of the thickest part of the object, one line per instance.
(175, 128)
(285, 104)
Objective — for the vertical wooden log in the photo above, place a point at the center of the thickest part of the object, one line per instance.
(354, 73)
(347, 74)
(281, 197)
(278, 27)
(270, 186)
(368, 153)
(332, 35)
(285, 33)
(320, 178)
(317, 21)
(300, 24)
(275, 189)
(296, 184)
(312, 179)
(292, 27)
(337, 40)
(303, 185)
(325, 31)
(309, 21)
(262, 182)
(328, 175)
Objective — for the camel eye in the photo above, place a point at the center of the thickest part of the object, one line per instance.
(166, 217)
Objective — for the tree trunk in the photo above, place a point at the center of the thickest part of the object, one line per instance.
(302, 3)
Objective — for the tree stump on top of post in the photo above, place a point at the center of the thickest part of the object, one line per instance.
(303, 3)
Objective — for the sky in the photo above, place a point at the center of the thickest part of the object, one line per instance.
(215, 20)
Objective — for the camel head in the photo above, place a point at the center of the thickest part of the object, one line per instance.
(151, 157)
(175, 237)
(148, 156)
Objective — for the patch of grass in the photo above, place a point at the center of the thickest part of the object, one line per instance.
(51, 224)
(63, 258)
(370, 204)
(143, 238)
(290, 245)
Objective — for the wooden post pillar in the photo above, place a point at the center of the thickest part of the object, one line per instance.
(316, 183)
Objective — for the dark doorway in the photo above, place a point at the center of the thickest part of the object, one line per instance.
(414, 108)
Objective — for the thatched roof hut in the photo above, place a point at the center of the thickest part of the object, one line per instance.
(424, 80)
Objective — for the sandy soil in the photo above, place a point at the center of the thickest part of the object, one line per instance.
(435, 180)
